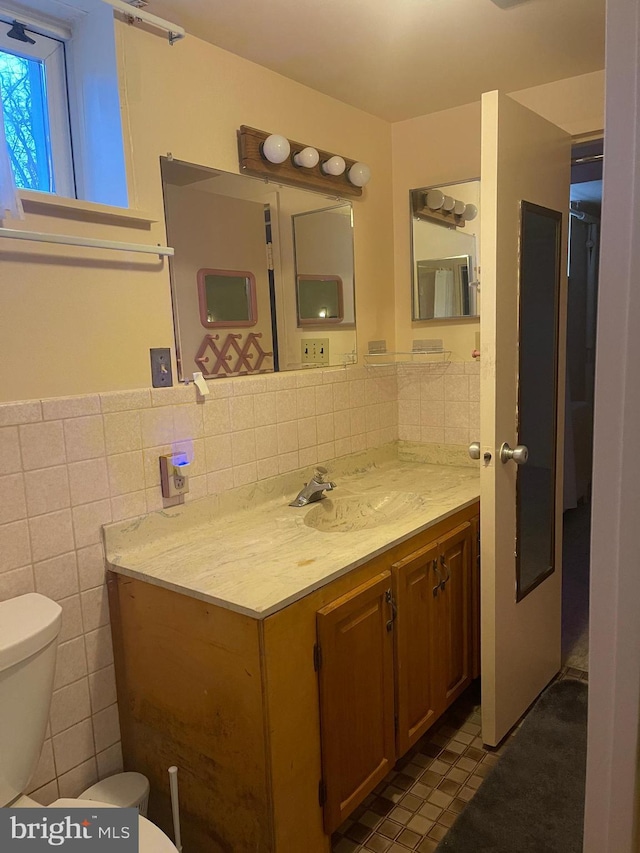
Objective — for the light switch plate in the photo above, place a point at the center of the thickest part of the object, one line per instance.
(315, 350)
(161, 375)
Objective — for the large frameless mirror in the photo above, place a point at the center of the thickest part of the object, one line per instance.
(257, 266)
(539, 306)
(445, 237)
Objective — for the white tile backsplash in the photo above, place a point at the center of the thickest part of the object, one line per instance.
(13, 505)
(439, 405)
(47, 490)
(70, 465)
(42, 445)
(57, 578)
(10, 459)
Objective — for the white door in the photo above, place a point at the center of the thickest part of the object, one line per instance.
(525, 202)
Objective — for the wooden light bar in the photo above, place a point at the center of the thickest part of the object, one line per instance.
(253, 163)
(420, 209)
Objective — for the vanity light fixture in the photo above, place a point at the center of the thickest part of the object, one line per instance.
(276, 148)
(434, 204)
(334, 166)
(285, 161)
(434, 199)
(470, 212)
(359, 174)
(307, 158)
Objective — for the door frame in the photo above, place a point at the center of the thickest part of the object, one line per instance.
(614, 695)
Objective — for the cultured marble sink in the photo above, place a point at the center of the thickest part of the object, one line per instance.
(362, 512)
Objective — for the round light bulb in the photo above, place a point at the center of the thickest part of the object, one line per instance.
(449, 203)
(308, 158)
(359, 174)
(435, 199)
(458, 207)
(275, 148)
(334, 166)
(470, 212)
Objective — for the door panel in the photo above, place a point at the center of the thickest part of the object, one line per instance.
(416, 588)
(356, 696)
(454, 622)
(524, 159)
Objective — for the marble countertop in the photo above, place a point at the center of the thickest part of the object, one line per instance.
(250, 552)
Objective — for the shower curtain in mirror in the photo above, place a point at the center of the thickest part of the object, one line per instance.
(10, 204)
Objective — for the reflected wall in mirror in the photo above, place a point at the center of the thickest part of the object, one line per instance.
(320, 300)
(238, 231)
(323, 245)
(227, 298)
(445, 251)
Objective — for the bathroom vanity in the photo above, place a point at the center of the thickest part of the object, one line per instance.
(284, 658)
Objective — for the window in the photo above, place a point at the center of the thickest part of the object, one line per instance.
(33, 83)
(60, 89)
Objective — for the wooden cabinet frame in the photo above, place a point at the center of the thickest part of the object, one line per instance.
(234, 702)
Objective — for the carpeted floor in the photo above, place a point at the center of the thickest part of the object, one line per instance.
(533, 799)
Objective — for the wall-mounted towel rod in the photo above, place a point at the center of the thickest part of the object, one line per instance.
(86, 242)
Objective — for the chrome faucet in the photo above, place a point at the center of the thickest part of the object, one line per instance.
(314, 490)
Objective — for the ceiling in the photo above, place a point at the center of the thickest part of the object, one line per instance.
(404, 58)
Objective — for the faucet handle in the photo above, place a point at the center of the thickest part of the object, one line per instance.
(320, 474)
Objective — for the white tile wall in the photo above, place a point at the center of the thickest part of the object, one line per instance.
(70, 465)
(439, 404)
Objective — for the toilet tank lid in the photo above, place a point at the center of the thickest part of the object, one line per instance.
(27, 624)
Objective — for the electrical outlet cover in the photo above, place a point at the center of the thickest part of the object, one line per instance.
(161, 376)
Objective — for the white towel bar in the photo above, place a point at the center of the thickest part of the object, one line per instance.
(86, 242)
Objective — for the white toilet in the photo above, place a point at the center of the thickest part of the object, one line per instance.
(29, 628)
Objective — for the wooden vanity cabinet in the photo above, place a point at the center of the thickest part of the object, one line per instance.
(416, 582)
(355, 638)
(453, 623)
(421, 608)
(236, 702)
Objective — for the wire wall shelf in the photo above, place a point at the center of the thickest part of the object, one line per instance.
(425, 359)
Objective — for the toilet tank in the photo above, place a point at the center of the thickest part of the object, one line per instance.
(29, 628)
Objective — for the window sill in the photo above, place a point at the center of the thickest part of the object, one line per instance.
(74, 208)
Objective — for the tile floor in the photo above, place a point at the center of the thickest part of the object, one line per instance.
(418, 802)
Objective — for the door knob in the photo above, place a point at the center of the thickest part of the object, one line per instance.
(474, 450)
(518, 454)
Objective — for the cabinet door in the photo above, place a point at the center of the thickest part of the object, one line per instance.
(355, 641)
(416, 588)
(453, 624)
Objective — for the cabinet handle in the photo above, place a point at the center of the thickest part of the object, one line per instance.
(440, 584)
(446, 568)
(394, 610)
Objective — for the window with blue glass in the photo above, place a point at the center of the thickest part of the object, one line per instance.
(35, 107)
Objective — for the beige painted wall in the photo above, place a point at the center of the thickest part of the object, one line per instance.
(74, 321)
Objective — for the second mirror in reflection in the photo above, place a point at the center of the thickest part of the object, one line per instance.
(445, 259)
